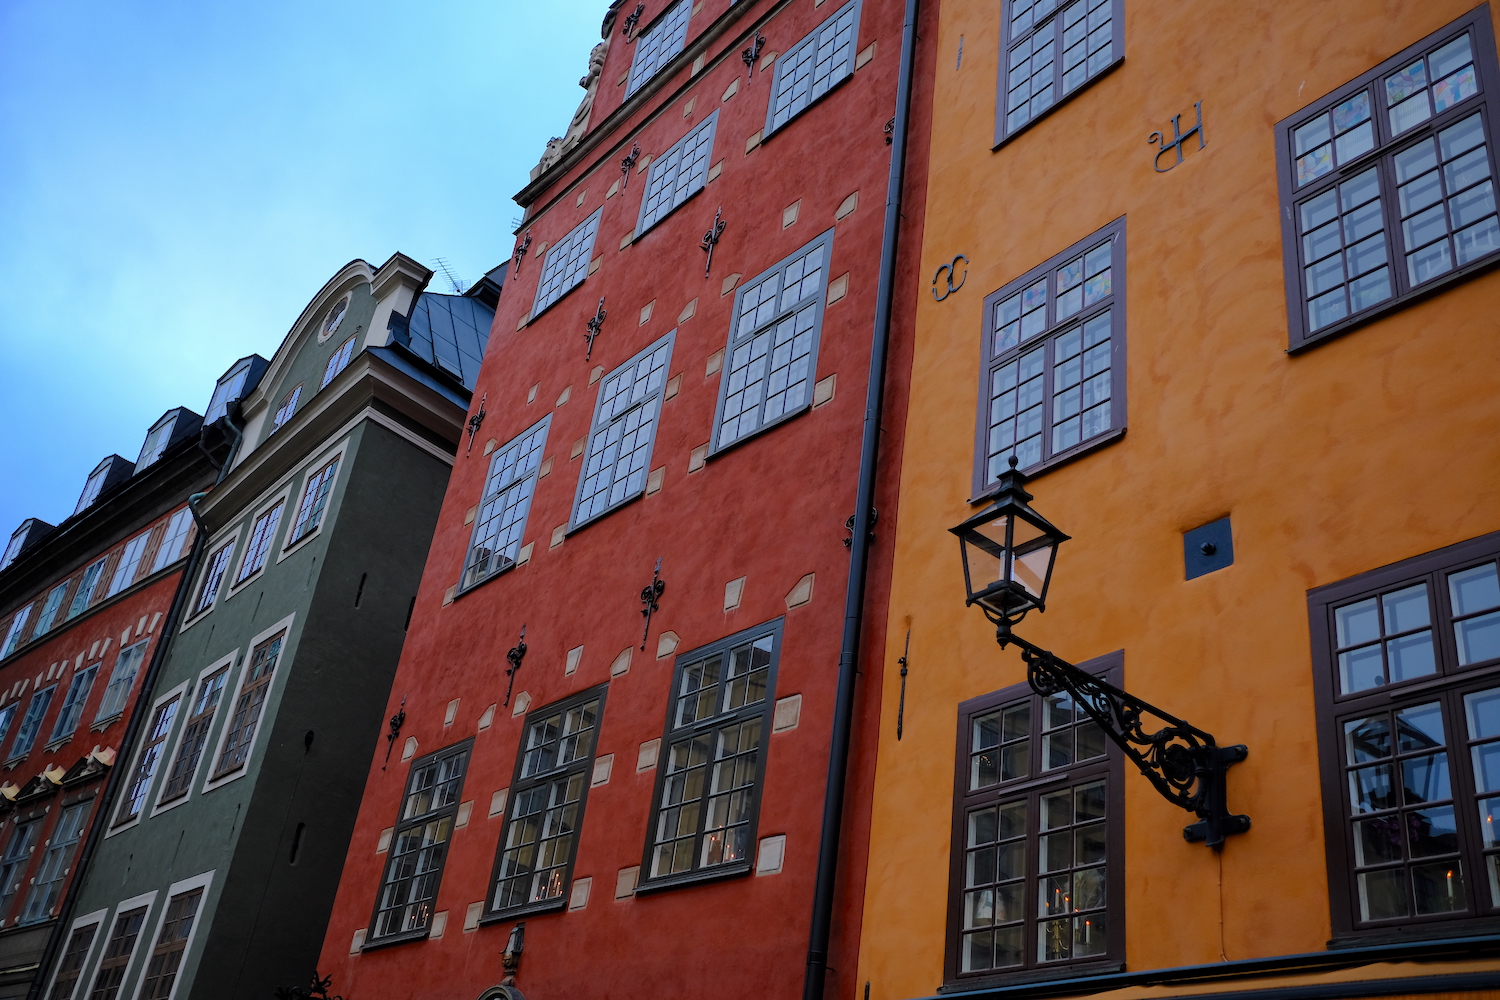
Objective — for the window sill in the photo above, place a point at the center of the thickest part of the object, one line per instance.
(767, 132)
(15, 762)
(529, 910)
(532, 316)
(405, 937)
(635, 237)
(1078, 971)
(99, 725)
(717, 873)
(1001, 143)
(493, 576)
(605, 513)
(762, 429)
(61, 741)
(1107, 438)
(1443, 930)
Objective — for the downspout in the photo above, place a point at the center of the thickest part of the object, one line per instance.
(105, 799)
(859, 548)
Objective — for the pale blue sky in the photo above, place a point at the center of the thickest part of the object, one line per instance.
(178, 179)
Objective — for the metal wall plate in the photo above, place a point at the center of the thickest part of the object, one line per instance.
(1207, 548)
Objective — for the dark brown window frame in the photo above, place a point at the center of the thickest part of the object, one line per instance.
(75, 956)
(234, 757)
(126, 926)
(194, 738)
(1449, 684)
(463, 748)
(1111, 667)
(696, 875)
(1298, 336)
(1117, 49)
(518, 784)
(990, 359)
(166, 949)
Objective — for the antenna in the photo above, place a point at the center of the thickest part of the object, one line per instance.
(441, 264)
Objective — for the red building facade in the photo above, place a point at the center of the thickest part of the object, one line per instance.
(669, 420)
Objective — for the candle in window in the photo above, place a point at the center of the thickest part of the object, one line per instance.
(1450, 888)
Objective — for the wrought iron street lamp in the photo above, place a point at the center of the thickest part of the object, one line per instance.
(1008, 554)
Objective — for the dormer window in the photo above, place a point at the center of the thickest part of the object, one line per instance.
(156, 441)
(229, 389)
(13, 549)
(338, 362)
(93, 486)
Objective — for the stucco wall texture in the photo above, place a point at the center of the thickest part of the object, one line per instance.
(1365, 450)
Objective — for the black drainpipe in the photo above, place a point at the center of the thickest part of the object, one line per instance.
(859, 549)
(105, 799)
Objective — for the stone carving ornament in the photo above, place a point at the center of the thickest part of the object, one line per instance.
(558, 145)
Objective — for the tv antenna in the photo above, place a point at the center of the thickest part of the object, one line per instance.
(441, 264)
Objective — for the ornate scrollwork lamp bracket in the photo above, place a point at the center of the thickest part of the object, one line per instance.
(521, 249)
(711, 239)
(515, 655)
(397, 721)
(596, 324)
(650, 596)
(475, 421)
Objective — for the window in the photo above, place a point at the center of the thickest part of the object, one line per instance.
(1036, 875)
(150, 757)
(338, 362)
(121, 680)
(171, 943)
(288, 407)
(13, 861)
(156, 441)
(1049, 55)
(70, 969)
(86, 587)
(48, 884)
(547, 797)
(1387, 184)
(507, 500)
(624, 428)
(1407, 671)
(49, 610)
(254, 688)
(174, 540)
(14, 546)
(7, 716)
(117, 953)
(31, 722)
(773, 344)
(314, 499)
(130, 561)
(677, 174)
(656, 46)
(72, 709)
(17, 627)
(213, 576)
(229, 389)
(92, 486)
(567, 263)
(708, 783)
(1053, 379)
(261, 536)
(195, 735)
(813, 66)
(335, 316)
(419, 847)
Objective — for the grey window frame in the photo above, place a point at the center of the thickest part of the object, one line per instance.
(991, 360)
(1447, 685)
(449, 811)
(19, 847)
(670, 732)
(655, 396)
(88, 585)
(1300, 336)
(668, 168)
(117, 692)
(1029, 788)
(36, 714)
(71, 713)
(1053, 17)
(658, 59)
(570, 257)
(790, 59)
(819, 304)
(526, 473)
(519, 784)
(46, 887)
(7, 716)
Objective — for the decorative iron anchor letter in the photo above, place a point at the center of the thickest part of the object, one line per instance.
(521, 249)
(711, 239)
(631, 20)
(516, 654)
(475, 421)
(753, 52)
(627, 163)
(1178, 138)
(649, 597)
(951, 269)
(596, 323)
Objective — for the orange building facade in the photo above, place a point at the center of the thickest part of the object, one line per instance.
(1249, 365)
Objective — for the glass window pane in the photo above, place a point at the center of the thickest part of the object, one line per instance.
(1383, 894)
(1476, 589)
(1406, 609)
(1439, 888)
(1357, 623)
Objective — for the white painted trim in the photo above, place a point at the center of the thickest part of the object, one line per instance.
(322, 458)
(97, 917)
(209, 784)
(145, 899)
(416, 439)
(204, 882)
(257, 512)
(230, 535)
(176, 742)
(110, 830)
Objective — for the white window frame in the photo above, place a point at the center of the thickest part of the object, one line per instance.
(50, 691)
(92, 487)
(652, 400)
(60, 591)
(226, 541)
(161, 431)
(525, 474)
(287, 408)
(139, 543)
(290, 544)
(146, 899)
(668, 169)
(343, 354)
(92, 585)
(17, 627)
(205, 882)
(819, 302)
(95, 918)
(114, 672)
(111, 828)
(267, 708)
(570, 258)
(175, 743)
(240, 579)
(221, 397)
(180, 527)
(659, 49)
(792, 60)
